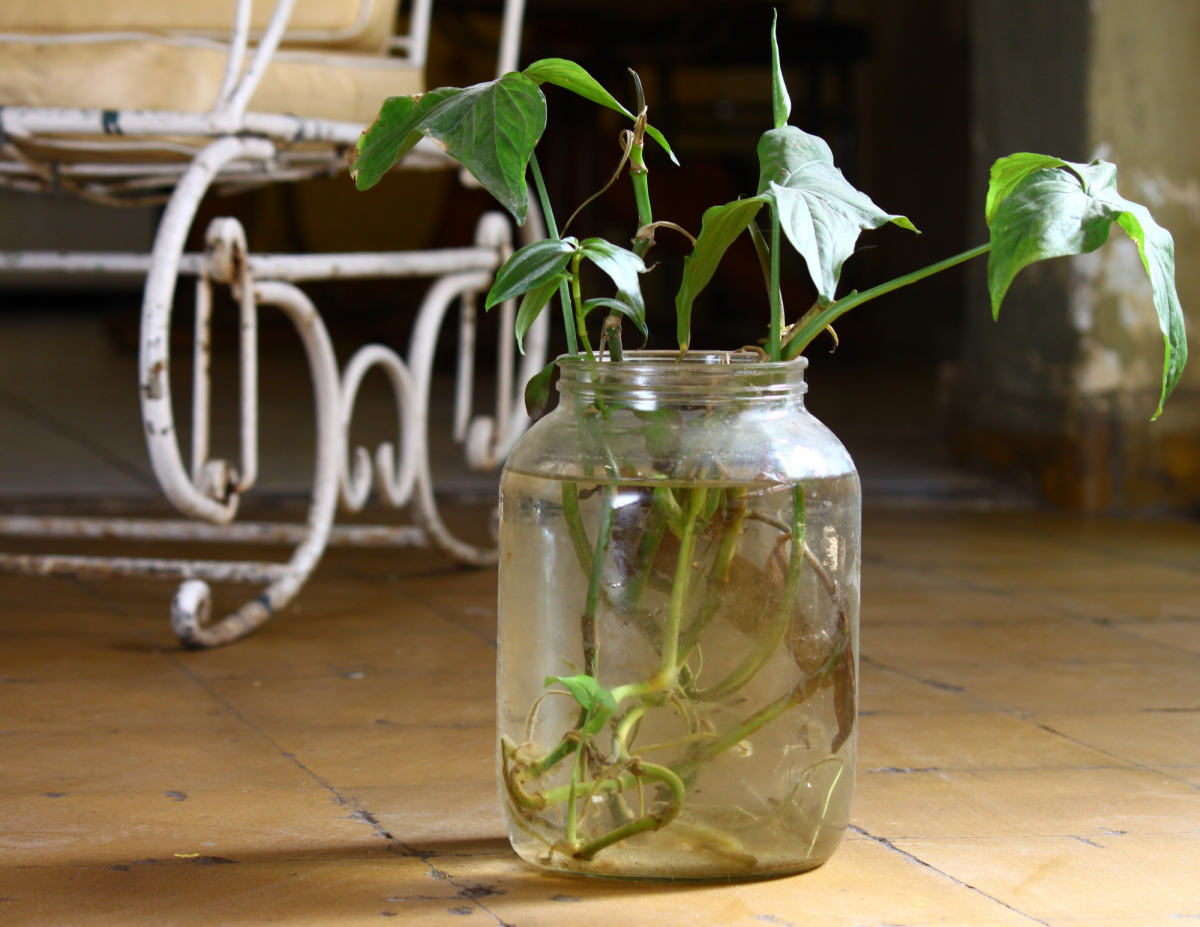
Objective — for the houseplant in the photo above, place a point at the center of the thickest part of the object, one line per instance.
(679, 538)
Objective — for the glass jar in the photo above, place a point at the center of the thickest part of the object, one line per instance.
(678, 638)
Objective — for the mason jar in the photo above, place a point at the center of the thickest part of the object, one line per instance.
(678, 623)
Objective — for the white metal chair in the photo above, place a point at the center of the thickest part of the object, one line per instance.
(150, 141)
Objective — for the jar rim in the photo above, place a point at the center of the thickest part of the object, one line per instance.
(699, 377)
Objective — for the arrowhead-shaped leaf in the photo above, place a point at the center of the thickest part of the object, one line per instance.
(530, 267)
(490, 128)
(1069, 209)
(622, 265)
(719, 228)
(393, 134)
(1008, 172)
(532, 304)
(568, 74)
(821, 213)
(586, 691)
(636, 317)
(781, 103)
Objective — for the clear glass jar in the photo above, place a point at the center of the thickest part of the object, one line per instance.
(687, 535)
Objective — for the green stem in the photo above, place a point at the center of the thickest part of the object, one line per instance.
(823, 319)
(647, 550)
(719, 575)
(775, 334)
(639, 174)
(650, 822)
(594, 581)
(770, 639)
(577, 295)
(583, 550)
(570, 828)
(552, 231)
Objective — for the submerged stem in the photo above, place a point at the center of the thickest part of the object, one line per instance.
(769, 640)
(595, 578)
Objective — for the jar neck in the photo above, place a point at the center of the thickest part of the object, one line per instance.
(659, 379)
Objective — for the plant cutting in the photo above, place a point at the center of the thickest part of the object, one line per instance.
(679, 542)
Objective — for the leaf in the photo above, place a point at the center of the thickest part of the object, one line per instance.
(537, 390)
(393, 134)
(530, 267)
(622, 265)
(1070, 209)
(638, 318)
(586, 691)
(1008, 172)
(781, 103)
(490, 128)
(532, 305)
(573, 77)
(821, 213)
(719, 228)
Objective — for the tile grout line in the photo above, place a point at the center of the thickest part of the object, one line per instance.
(912, 858)
(359, 814)
(1135, 764)
(1063, 612)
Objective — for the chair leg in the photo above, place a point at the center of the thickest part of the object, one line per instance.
(191, 607)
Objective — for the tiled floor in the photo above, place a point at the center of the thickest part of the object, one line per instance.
(1030, 748)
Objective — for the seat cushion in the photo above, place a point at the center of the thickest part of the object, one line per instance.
(184, 75)
(360, 24)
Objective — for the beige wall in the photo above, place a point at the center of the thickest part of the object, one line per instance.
(1144, 115)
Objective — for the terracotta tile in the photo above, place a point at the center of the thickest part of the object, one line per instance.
(1122, 603)
(357, 699)
(883, 690)
(1012, 642)
(1183, 634)
(966, 740)
(426, 817)
(864, 883)
(934, 606)
(390, 755)
(369, 647)
(1019, 803)
(167, 699)
(121, 828)
(213, 755)
(1066, 686)
(1109, 879)
(1155, 738)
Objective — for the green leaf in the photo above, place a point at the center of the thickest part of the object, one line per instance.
(662, 141)
(537, 390)
(821, 213)
(530, 267)
(1069, 209)
(490, 128)
(586, 691)
(781, 103)
(393, 134)
(622, 265)
(1010, 171)
(719, 228)
(638, 318)
(568, 74)
(532, 305)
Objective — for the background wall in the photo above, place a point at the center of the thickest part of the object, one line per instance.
(1063, 387)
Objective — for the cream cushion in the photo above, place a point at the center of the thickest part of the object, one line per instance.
(359, 24)
(184, 75)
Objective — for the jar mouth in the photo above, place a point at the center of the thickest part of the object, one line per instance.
(699, 377)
